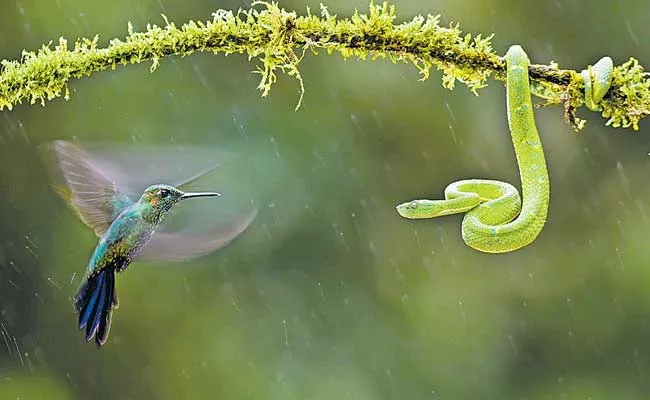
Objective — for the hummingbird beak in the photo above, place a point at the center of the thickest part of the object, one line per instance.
(199, 194)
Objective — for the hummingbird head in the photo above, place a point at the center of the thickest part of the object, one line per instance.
(160, 198)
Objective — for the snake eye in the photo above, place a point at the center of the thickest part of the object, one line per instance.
(164, 193)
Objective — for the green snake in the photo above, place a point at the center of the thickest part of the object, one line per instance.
(497, 220)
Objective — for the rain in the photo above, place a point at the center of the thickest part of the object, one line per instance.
(325, 292)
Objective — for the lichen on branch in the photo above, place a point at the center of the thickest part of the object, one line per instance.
(278, 40)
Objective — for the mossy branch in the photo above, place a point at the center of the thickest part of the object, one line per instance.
(273, 36)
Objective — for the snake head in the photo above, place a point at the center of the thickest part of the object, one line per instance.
(417, 209)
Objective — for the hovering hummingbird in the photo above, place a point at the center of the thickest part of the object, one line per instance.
(126, 228)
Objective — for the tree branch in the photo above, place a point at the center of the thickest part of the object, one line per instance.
(273, 36)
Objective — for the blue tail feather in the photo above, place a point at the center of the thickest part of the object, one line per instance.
(94, 302)
(105, 324)
(91, 329)
(89, 306)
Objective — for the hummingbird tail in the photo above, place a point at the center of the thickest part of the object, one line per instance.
(94, 302)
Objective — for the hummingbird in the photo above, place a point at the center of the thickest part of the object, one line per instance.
(127, 229)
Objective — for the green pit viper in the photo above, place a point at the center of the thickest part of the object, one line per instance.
(496, 219)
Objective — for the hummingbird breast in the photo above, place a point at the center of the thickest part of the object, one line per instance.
(122, 241)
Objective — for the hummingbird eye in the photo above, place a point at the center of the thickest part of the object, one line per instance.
(164, 193)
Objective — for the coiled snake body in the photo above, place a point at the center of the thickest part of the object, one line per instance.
(497, 220)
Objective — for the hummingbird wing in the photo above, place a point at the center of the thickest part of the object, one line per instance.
(134, 168)
(90, 190)
(183, 246)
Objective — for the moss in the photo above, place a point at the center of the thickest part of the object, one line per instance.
(272, 36)
(629, 101)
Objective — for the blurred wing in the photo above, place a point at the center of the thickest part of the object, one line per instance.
(175, 165)
(92, 194)
(178, 246)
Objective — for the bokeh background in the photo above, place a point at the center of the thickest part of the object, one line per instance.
(330, 294)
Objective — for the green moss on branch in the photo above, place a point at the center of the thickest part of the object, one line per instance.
(273, 36)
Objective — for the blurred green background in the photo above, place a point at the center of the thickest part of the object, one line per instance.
(330, 294)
